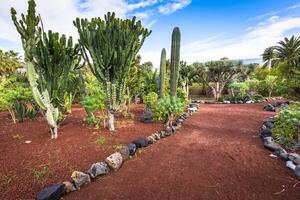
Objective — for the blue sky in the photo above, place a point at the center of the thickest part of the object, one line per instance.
(211, 29)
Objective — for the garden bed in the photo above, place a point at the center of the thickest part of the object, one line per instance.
(27, 168)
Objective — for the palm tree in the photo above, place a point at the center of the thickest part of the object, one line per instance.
(269, 56)
(288, 50)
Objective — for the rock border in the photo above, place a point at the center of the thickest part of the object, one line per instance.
(111, 163)
(292, 159)
(276, 106)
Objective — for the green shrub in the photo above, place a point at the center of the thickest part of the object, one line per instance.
(168, 109)
(287, 125)
(150, 100)
(182, 95)
(15, 94)
(240, 88)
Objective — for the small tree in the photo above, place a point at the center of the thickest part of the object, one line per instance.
(112, 44)
(186, 76)
(216, 74)
(270, 83)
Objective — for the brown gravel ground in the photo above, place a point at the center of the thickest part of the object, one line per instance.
(216, 155)
(27, 168)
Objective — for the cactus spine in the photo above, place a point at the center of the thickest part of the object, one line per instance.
(162, 73)
(175, 58)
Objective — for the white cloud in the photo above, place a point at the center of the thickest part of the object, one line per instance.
(248, 46)
(293, 6)
(173, 6)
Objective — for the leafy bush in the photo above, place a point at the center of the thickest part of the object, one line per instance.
(93, 101)
(168, 109)
(15, 95)
(182, 95)
(150, 100)
(240, 88)
(287, 125)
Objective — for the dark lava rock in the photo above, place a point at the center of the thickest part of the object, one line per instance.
(269, 124)
(140, 142)
(147, 117)
(53, 192)
(270, 144)
(265, 133)
(270, 108)
(281, 152)
(125, 152)
(132, 149)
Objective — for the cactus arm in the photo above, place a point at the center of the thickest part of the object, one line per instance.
(162, 72)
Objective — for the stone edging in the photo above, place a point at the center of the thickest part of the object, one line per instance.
(112, 162)
(292, 159)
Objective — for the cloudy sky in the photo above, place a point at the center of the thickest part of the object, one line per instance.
(211, 29)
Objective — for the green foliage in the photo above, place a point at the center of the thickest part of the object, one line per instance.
(9, 62)
(175, 59)
(240, 87)
(162, 73)
(287, 125)
(94, 100)
(150, 100)
(100, 141)
(181, 94)
(217, 74)
(168, 109)
(15, 95)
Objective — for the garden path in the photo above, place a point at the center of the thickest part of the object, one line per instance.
(217, 154)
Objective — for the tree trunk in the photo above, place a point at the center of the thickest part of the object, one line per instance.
(12, 114)
(269, 64)
(270, 94)
(111, 119)
(187, 91)
(54, 134)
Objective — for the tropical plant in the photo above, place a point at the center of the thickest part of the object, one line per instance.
(217, 74)
(270, 83)
(269, 57)
(50, 59)
(112, 44)
(168, 109)
(15, 95)
(239, 88)
(94, 101)
(186, 76)
(287, 125)
(175, 59)
(9, 62)
(150, 100)
(289, 50)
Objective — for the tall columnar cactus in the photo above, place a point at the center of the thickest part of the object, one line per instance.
(162, 73)
(112, 44)
(50, 59)
(175, 59)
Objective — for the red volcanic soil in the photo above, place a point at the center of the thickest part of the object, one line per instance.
(217, 154)
(27, 168)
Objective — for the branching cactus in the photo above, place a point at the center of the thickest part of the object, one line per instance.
(110, 46)
(162, 73)
(175, 59)
(50, 59)
(43, 100)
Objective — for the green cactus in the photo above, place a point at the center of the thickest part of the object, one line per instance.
(27, 28)
(175, 59)
(50, 60)
(162, 73)
(112, 44)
